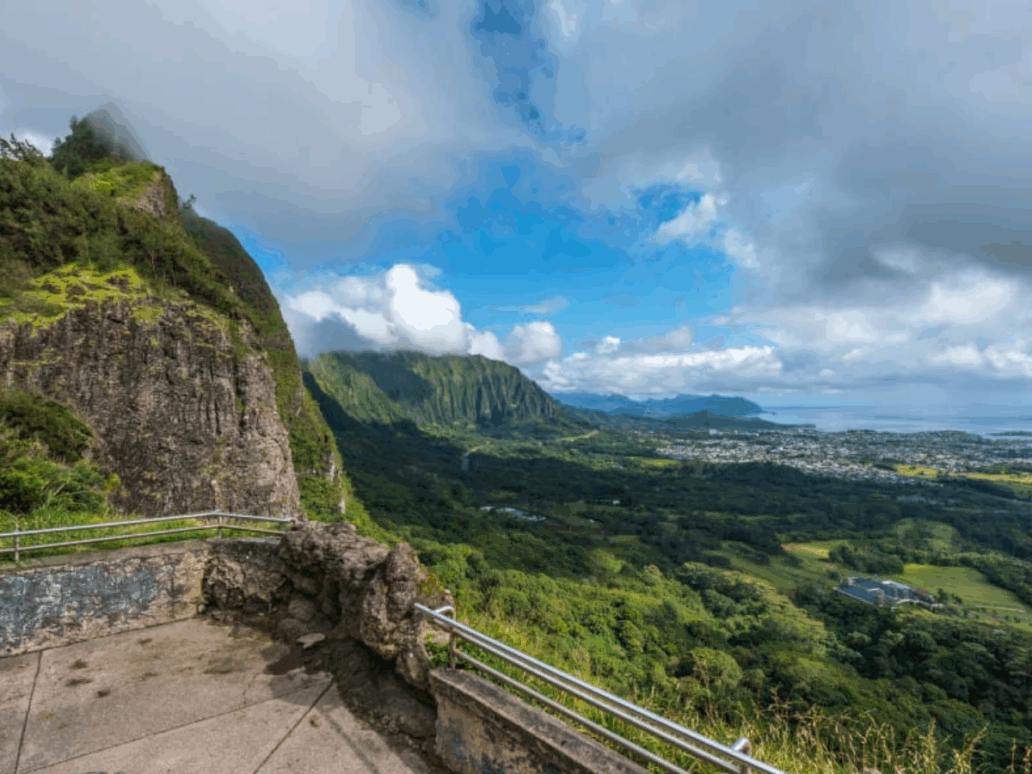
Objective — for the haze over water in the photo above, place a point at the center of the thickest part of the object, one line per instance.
(979, 419)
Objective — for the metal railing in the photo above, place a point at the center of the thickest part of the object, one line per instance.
(734, 759)
(221, 524)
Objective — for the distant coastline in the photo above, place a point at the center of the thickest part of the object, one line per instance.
(988, 421)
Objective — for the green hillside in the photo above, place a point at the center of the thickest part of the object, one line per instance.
(468, 392)
(87, 208)
(685, 585)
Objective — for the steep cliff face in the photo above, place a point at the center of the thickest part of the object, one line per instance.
(159, 330)
(181, 403)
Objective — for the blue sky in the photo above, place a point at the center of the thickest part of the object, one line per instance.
(794, 202)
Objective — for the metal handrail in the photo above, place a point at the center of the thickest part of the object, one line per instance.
(221, 525)
(741, 762)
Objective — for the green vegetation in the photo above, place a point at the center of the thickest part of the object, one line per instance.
(474, 393)
(34, 417)
(681, 595)
(67, 227)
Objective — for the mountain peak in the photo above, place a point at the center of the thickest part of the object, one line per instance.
(113, 129)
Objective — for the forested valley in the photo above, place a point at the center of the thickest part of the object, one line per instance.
(708, 592)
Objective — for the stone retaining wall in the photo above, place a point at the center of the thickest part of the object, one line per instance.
(67, 599)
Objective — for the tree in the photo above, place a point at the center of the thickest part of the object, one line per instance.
(19, 150)
(75, 154)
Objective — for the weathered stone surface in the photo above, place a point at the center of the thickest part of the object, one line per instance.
(245, 574)
(185, 415)
(301, 608)
(369, 590)
(97, 594)
(291, 629)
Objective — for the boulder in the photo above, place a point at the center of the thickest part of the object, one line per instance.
(368, 589)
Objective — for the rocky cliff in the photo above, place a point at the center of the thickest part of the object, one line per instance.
(182, 407)
(156, 328)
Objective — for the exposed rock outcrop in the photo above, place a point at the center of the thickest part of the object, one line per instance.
(182, 408)
(327, 577)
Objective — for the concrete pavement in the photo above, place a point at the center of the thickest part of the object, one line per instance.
(190, 696)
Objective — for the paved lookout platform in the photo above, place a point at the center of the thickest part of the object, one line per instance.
(188, 696)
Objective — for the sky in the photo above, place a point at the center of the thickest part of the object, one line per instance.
(798, 203)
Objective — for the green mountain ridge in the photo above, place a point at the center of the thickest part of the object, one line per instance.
(472, 392)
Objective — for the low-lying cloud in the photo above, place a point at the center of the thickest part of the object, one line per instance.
(399, 309)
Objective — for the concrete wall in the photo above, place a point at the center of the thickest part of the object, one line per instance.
(66, 599)
(484, 729)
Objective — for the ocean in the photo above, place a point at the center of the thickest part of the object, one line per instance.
(979, 419)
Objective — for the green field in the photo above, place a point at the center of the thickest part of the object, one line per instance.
(778, 573)
(965, 582)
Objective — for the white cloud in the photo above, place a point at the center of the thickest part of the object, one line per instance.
(966, 355)
(966, 298)
(663, 364)
(40, 140)
(485, 343)
(397, 309)
(656, 374)
(850, 325)
(693, 221)
(739, 249)
(619, 175)
(533, 343)
(545, 306)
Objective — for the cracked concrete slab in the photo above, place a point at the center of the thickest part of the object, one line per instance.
(330, 734)
(17, 675)
(232, 743)
(191, 695)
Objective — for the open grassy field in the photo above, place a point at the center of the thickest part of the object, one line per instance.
(817, 550)
(657, 462)
(779, 573)
(965, 582)
(936, 534)
(919, 471)
(1019, 483)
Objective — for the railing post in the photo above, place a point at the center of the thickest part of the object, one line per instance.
(743, 745)
(15, 542)
(451, 650)
(218, 515)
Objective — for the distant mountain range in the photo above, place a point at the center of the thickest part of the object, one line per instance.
(682, 405)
